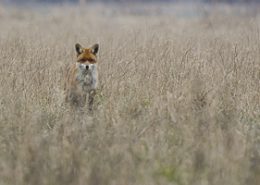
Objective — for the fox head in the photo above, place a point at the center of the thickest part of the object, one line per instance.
(86, 57)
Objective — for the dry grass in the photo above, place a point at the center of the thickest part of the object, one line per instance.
(178, 101)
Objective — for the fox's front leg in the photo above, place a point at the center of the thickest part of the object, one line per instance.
(91, 96)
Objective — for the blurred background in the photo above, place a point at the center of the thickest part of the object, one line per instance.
(83, 1)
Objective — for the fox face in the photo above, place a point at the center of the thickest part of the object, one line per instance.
(82, 76)
(87, 55)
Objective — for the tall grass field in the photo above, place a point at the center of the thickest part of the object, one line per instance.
(178, 101)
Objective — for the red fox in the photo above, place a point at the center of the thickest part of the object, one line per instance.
(82, 77)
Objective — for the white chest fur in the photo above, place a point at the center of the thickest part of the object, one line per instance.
(87, 76)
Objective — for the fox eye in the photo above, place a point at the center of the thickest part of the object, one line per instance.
(91, 60)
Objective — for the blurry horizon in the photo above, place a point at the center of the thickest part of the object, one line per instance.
(128, 1)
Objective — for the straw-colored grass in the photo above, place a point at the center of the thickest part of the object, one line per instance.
(178, 101)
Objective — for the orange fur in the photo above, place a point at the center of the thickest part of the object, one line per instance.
(87, 56)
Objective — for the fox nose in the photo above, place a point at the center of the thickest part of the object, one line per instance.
(87, 67)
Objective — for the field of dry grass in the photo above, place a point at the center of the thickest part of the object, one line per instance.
(178, 101)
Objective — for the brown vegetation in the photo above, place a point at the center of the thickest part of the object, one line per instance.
(178, 101)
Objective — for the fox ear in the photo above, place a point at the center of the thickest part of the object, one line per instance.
(94, 49)
(79, 48)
